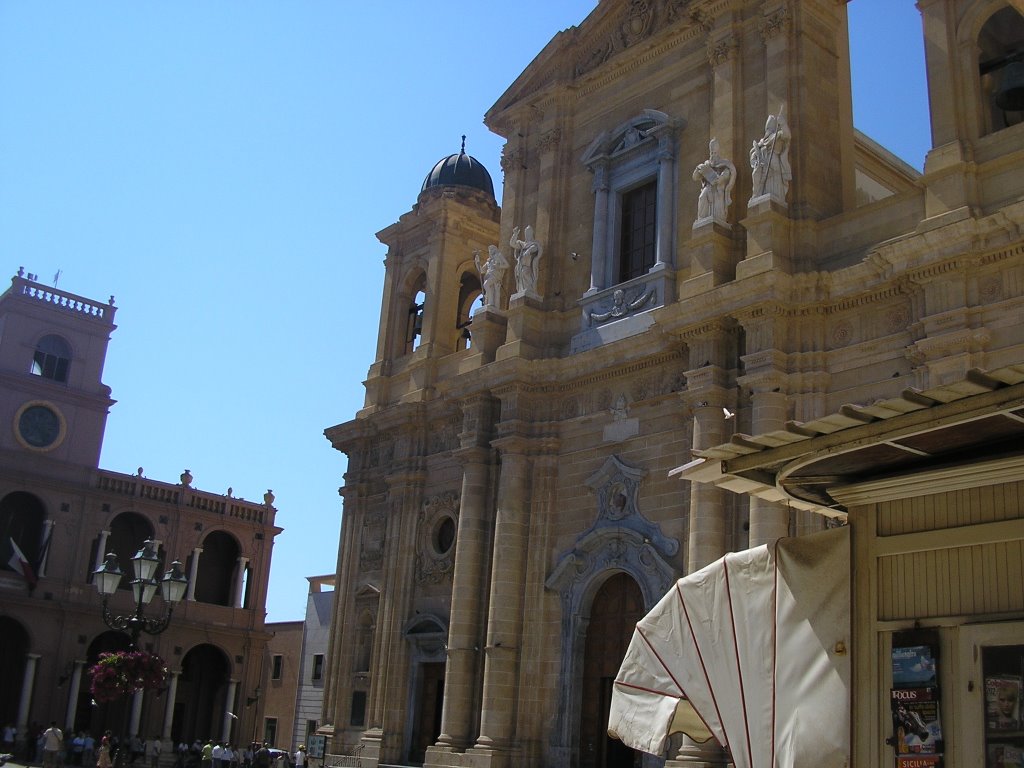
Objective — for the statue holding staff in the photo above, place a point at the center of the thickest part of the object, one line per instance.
(769, 160)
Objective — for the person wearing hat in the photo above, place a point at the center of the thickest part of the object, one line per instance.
(300, 756)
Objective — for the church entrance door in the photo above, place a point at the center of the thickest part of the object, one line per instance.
(427, 723)
(618, 606)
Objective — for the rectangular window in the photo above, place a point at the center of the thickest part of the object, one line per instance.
(311, 726)
(358, 716)
(318, 666)
(276, 662)
(638, 233)
(270, 730)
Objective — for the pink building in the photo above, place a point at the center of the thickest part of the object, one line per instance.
(63, 513)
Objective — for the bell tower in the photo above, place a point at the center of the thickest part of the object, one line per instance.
(974, 53)
(53, 345)
(432, 281)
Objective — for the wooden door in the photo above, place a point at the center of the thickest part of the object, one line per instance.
(618, 606)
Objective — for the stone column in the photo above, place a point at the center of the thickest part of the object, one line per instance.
(508, 564)
(343, 619)
(949, 165)
(229, 704)
(27, 681)
(712, 252)
(707, 536)
(101, 550)
(47, 534)
(136, 715)
(469, 580)
(599, 252)
(387, 708)
(240, 582)
(193, 569)
(769, 520)
(776, 28)
(943, 84)
(707, 395)
(664, 243)
(172, 695)
(73, 689)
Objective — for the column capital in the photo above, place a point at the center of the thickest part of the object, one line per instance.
(521, 445)
(723, 49)
(776, 20)
(704, 382)
(714, 399)
(473, 454)
(764, 381)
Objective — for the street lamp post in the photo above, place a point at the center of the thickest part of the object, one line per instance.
(172, 586)
(144, 563)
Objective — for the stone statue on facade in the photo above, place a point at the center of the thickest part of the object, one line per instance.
(717, 176)
(527, 253)
(492, 275)
(769, 160)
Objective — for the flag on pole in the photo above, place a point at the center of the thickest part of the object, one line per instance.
(20, 563)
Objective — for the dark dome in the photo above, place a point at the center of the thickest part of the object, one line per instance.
(459, 170)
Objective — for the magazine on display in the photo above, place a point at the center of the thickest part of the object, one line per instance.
(1005, 756)
(919, 761)
(1002, 702)
(913, 666)
(915, 720)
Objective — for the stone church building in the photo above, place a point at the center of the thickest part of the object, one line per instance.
(694, 245)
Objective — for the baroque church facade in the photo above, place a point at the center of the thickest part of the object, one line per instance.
(61, 514)
(694, 245)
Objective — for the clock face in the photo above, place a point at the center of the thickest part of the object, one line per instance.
(39, 426)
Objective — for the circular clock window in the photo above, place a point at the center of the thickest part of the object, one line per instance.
(39, 426)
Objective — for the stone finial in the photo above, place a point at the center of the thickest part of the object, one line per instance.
(186, 478)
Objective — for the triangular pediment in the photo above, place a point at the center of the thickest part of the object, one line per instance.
(613, 27)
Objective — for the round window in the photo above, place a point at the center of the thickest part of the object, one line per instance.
(444, 535)
(39, 426)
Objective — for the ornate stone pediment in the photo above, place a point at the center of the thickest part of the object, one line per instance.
(612, 28)
(617, 487)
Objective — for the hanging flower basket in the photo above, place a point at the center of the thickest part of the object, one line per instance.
(119, 674)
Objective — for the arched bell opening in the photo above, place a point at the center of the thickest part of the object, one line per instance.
(1001, 69)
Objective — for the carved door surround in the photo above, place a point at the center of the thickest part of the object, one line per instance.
(621, 540)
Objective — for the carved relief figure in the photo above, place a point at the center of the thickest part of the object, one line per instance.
(717, 176)
(620, 307)
(769, 160)
(492, 275)
(527, 254)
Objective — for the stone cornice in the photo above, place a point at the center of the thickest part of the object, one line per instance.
(891, 283)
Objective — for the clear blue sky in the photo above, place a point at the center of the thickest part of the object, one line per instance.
(221, 169)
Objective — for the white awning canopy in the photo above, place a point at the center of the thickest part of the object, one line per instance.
(751, 650)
